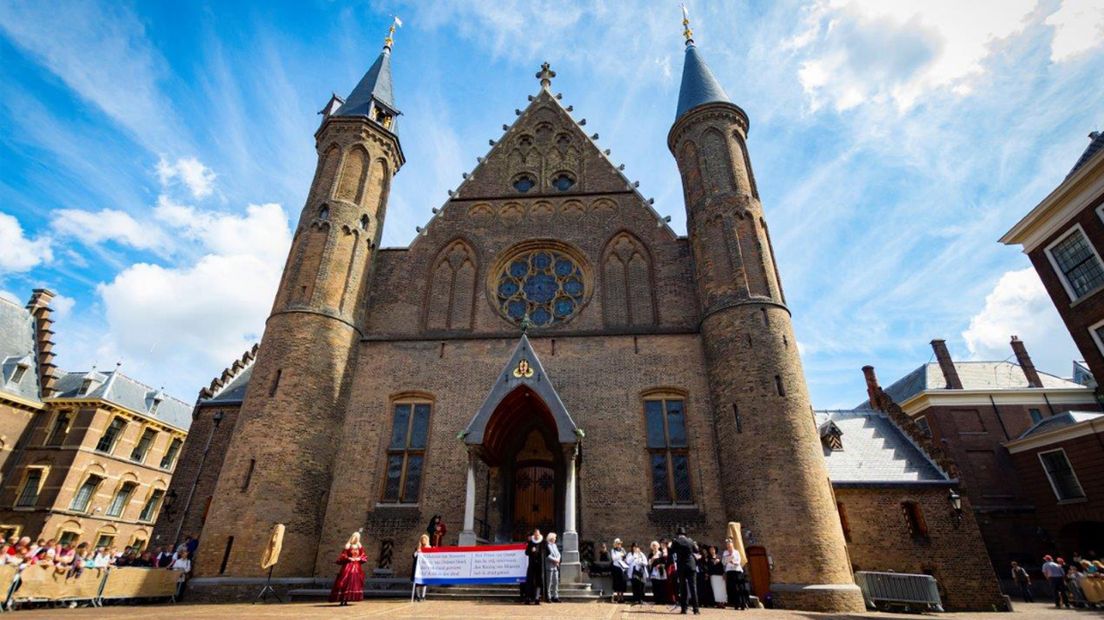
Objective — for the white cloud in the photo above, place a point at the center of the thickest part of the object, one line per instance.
(1078, 27)
(1019, 305)
(107, 59)
(860, 51)
(62, 306)
(199, 179)
(108, 225)
(18, 252)
(185, 321)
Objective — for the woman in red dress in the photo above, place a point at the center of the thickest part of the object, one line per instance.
(349, 585)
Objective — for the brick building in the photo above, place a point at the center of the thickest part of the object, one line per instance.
(546, 353)
(1064, 238)
(895, 502)
(87, 456)
(1060, 467)
(972, 410)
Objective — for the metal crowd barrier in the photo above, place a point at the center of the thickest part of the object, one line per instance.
(42, 584)
(899, 588)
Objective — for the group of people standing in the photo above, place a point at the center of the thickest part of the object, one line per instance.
(542, 574)
(678, 570)
(1078, 583)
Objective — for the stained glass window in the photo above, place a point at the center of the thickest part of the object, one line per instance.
(545, 284)
(665, 422)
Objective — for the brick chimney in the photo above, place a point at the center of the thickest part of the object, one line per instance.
(1025, 362)
(872, 386)
(39, 307)
(946, 364)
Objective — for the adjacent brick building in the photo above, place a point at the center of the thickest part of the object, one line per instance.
(1060, 467)
(87, 456)
(547, 352)
(1064, 238)
(972, 410)
(894, 502)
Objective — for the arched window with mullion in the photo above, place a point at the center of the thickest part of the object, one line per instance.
(668, 450)
(406, 452)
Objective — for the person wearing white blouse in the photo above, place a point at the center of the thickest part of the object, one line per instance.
(735, 582)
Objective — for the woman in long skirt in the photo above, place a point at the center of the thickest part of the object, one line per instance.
(349, 585)
(617, 570)
(419, 591)
(715, 570)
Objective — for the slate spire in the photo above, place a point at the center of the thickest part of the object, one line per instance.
(373, 96)
(699, 86)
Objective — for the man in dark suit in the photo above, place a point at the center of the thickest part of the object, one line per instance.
(534, 573)
(686, 567)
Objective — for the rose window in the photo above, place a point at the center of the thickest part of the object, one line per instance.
(545, 284)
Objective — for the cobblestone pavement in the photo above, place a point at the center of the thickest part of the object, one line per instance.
(487, 610)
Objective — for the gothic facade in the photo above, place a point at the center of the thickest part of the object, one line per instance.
(546, 353)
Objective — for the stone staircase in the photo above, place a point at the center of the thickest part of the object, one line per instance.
(569, 592)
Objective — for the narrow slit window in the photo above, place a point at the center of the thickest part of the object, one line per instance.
(249, 474)
(276, 380)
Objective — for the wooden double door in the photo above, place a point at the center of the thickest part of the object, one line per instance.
(534, 498)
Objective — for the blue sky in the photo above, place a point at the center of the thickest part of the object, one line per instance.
(153, 156)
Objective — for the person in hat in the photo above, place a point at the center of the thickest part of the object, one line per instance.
(683, 550)
(1056, 577)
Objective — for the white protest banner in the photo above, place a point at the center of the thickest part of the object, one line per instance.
(438, 566)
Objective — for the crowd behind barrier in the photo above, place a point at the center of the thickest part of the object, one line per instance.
(50, 572)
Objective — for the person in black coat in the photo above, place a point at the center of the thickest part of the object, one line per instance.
(686, 567)
(534, 573)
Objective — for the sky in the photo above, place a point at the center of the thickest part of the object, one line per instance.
(155, 156)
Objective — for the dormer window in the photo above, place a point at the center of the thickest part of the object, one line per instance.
(563, 182)
(524, 183)
(156, 403)
(20, 370)
(831, 436)
(86, 386)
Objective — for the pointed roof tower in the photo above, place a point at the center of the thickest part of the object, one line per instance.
(373, 94)
(699, 86)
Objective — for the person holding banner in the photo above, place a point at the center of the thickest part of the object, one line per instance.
(349, 585)
(534, 574)
(419, 591)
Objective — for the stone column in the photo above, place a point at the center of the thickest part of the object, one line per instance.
(570, 567)
(467, 537)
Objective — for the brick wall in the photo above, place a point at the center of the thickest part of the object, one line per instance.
(1078, 315)
(880, 541)
(1071, 525)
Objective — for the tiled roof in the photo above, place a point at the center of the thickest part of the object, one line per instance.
(1061, 420)
(117, 388)
(875, 451)
(376, 84)
(974, 376)
(699, 86)
(233, 392)
(1096, 145)
(17, 348)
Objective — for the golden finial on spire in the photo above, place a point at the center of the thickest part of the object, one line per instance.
(686, 31)
(390, 40)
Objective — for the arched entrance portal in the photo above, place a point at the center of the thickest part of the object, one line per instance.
(521, 441)
(524, 432)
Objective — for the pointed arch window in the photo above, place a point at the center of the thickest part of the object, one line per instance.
(324, 214)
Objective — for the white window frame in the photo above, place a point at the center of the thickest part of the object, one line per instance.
(1073, 471)
(1058, 270)
(1095, 337)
